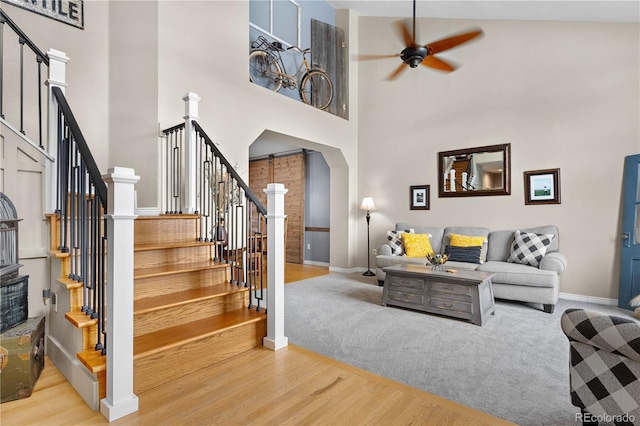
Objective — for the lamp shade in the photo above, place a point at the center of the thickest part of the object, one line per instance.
(367, 204)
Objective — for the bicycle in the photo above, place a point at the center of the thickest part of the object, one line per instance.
(267, 69)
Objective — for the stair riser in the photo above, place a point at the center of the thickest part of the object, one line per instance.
(150, 322)
(172, 256)
(157, 369)
(167, 284)
(166, 229)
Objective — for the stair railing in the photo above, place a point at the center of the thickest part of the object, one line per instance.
(81, 202)
(34, 106)
(230, 214)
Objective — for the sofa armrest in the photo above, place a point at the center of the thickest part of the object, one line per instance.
(609, 333)
(554, 261)
(384, 250)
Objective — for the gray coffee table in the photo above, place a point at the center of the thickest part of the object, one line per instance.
(462, 294)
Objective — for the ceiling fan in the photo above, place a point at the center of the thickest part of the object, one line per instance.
(414, 54)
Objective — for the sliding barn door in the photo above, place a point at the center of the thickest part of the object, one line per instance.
(288, 170)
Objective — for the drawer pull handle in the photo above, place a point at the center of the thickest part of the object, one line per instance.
(449, 287)
(448, 305)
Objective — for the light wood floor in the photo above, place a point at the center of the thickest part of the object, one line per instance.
(290, 386)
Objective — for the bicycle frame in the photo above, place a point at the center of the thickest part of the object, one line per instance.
(289, 81)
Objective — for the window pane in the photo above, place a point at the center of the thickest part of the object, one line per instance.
(259, 13)
(285, 21)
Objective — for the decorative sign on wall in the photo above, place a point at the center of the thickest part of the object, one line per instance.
(68, 11)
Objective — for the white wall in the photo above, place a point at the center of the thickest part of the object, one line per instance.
(133, 63)
(563, 94)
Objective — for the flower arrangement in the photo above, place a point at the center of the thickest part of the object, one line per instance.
(437, 260)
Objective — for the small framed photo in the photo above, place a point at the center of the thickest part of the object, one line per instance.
(420, 197)
(542, 187)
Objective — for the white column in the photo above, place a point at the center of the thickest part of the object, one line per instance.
(464, 181)
(190, 167)
(275, 267)
(57, 78)
(120, 399)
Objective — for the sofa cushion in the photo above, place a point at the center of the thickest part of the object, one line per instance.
(395, 241)
(474, 231)
(458, 240)
(417, 245)
(500, 241)
(436, 233)
(464, 254)
(517, 274)
(529, 248)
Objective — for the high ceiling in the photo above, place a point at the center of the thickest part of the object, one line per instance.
(544, 10)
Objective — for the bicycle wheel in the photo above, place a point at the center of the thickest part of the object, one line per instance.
(316, 89)
(264, 71)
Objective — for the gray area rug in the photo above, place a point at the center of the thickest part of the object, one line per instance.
(515, 367)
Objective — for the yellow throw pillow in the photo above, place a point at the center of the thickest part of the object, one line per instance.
(465, 240)
(416, 245)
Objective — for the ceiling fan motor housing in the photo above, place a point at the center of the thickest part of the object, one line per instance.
(413, 56)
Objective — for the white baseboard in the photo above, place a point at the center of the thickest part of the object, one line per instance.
(590, 299)
(314, 263)
(76, 374)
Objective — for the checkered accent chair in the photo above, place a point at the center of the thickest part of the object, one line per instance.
(604, 363)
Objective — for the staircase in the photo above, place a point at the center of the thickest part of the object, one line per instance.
(187, 314)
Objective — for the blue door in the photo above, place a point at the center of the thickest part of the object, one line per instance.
(630, 253)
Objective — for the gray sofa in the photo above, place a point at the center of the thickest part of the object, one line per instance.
(512, 281)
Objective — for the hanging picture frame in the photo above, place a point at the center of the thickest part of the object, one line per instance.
(542, 187)
(419, 197)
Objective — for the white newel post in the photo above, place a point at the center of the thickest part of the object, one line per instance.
(120, 399)
(275, 267)
(190, 113)
(57, 78)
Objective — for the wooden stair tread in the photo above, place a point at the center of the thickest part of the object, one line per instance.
(80, 319)
(179, 298)
(177, 268)
(149, 344)
(93, 360)
(175, 244)
(68, 283)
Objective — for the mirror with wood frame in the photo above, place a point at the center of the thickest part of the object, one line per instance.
(485, 170)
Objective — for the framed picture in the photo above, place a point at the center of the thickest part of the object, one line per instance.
(420, 197)
(542, 187)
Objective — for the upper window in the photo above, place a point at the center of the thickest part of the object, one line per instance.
(279, 19)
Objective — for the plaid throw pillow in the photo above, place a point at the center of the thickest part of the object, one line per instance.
(528, 248)
(395, 241)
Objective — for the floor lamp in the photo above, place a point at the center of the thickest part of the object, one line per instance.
(367, 204)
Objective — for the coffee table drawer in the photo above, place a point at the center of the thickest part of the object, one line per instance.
(450, 305)
(406, 297)
(406, 282)
(464, 290)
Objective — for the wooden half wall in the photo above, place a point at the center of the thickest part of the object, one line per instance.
(288, 170)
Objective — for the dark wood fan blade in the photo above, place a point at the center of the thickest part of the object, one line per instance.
(372, 57)
(453, 41)
(397, 71)
(407, 38)
(437, 63)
